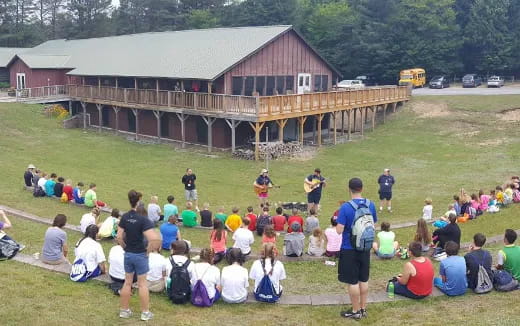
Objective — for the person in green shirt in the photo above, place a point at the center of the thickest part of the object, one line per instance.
(387, 246)
(221, 215)
(91, 197)
(189, 217)
(509, 257)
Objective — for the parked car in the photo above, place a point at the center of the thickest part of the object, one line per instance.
(439, 82)
(368, 80)
(495, 81)
(471, 80)
(350, 84)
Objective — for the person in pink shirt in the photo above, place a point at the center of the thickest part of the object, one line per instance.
(484, 201)
(333, 239)
(475, 203)
(218, 239)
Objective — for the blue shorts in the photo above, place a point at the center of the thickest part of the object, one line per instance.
(313, 197)
(136, 263)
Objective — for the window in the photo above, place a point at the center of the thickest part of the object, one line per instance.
(324, 83)
(270, 86)
(260, 85)
(280, 87)
(300, 81)
(237, 86)
(317, 83)
(289, 83)
(249, 86)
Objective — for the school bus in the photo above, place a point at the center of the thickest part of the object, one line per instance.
(415, 77)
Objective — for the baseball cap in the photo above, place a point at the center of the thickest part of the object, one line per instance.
(355, 184)
(31, 166)
(387, 170)
(295, 226)
(264, 171)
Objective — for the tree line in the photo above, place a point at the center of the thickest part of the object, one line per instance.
(378, 37)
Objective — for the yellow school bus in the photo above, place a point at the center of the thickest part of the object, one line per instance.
(415, 77)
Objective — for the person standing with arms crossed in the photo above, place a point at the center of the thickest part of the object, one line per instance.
(131, 231)
(316, 182)
(189, 187)
(354, 265)
(386, 181)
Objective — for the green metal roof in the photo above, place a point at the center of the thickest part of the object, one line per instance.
(193, 54)
(6, 54)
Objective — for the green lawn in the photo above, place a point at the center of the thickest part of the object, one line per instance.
(434, 146)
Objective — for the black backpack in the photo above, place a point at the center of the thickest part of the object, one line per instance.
(179, 291)
(261, 223)
(38, 192)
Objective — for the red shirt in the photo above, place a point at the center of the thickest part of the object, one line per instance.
(422, 282)
(293, 219)
(68, 190)
(278, 222)
(252, 219)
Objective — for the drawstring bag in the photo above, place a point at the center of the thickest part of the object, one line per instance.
(265, 291)
(199, 295)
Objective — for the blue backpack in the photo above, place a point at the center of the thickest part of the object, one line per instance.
(504, 281)
(78, 271)
(199, 295)
(363, 230)
(265, 291)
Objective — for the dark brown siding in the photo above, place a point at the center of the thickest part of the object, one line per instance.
(37, 77)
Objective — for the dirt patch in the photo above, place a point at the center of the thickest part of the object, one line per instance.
(493, 142)
(307, 154)
(510, 115)
(427, 110)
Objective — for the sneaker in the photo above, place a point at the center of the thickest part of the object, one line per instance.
(356, 315)
(380, 208)
(389, 209)
(145, 316)
(125, 313)
(364, 313)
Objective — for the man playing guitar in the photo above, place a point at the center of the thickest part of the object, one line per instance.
(313, 185)
(262, 185)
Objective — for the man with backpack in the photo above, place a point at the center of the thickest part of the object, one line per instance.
(356, 223)
(478, 266)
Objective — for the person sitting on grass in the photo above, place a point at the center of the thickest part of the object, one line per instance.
(188, 216)
(208, 274)
(279, 220)
(427, 210)
(234, 279)
(108, 228)
(252, 219)
(67, 189)
(206, 216)
(244, 238)
(55, 248)
(416, 280)
(456, 204)
(41, 184)
(89, 218)
(218, 239)
(269, 234)
(29, 175)
(333, 238)
(508, 193)
(158, 266)
(263, 220)
(58, 187)
(452, 270)
(49, 185)
(295, 217)
(493, 204)
(233, 221)
(293, 243)
(311, 222)
(450, 232)
(499, 195)
(91, 197)
(268, 265)
(221, 215)
(484, 201)
(316, 243)
(170, 232)
(91, 253)
(422, 235)
(475, 204)
(180, 254)
(116, 268)
(154, 210)
(444, 219)
(77, 194)
(387, 246)
(509, 257)
(4, 225)
(170, 208)
(475, 258)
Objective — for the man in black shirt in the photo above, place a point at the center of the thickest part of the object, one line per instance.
(476, 257)
(189, 187)
(316, 182)
(385, 181)
(131, 231)
(28, 175)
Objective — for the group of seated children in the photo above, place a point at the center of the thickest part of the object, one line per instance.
(457, 274)
(45, 185)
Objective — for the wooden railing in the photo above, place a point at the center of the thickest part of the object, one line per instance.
(43, 92)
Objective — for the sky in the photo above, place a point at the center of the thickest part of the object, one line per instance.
(115, 3)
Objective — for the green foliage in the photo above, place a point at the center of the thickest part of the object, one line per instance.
(201, 18)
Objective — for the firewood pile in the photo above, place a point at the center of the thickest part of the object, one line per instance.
(274, 150)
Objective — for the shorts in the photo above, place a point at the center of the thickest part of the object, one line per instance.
(385, 256)
(354, 266)
(136, 263)
(313, 197)
(263, 195)
(334, 254)
(385, 195)
(191, 194)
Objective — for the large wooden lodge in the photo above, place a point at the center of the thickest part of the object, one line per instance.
(217, 87)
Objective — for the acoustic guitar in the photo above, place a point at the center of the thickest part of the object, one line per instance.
(308, 188)
(260, 189)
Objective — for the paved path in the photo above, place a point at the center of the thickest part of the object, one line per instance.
(482, 90)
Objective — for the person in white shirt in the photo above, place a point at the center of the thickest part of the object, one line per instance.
(89, 219)
(244, 237)
(427, 209)
(91, 252)
(234, 278)
(158, 266)
(209, 274)
(42, 181)
(273, 268)
(116, 264)
(179, 255)
(154, 210)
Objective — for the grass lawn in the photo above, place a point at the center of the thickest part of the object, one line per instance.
(434, 146)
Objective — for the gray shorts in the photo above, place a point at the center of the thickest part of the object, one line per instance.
(191, 194)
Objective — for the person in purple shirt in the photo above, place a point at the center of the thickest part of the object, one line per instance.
(354, 266)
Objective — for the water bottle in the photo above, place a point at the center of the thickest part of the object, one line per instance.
(391, 289)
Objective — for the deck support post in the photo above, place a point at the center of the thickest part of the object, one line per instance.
(157, 91)
(385, 106)
(350, 123)
(183, 117)
(320, 119)
(374, 113)
(135, 83)
(117, 83)
(257, 127)
(116, 111)
(394, 106)
(355, 120)
(84, 106)
(233, 124)
(342, 123)
(99, 85)
(100, 116)
(158, 114)
(301, 123)
(363, 116)
(334, 114)
(281, 125)
(209, 121)
(136, 114)
(70, 108)
(210, 86)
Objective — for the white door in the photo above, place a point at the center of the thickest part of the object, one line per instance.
(304, 83)
(20, 81)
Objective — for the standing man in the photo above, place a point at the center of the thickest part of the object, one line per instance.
(262, 185)
(386, 181)
(189, 187)
(131, 231)
(316, 182)
(354, 266)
